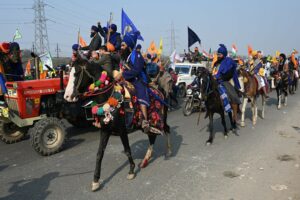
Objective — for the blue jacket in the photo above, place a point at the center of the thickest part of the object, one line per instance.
(228, 65)
(137, 72)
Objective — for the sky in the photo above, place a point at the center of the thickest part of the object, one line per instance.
(266, 25)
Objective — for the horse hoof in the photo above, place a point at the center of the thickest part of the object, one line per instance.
(242, 124)
(95, 186)
(168, 154)
(254, 122)
(144, 163)
(208, 143)
(278, 108)
(130, 176)
(285, 104)
(226, 136)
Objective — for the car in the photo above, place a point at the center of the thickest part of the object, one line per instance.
(186, 74)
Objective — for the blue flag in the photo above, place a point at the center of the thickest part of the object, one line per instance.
(192, 37)
(128, 26)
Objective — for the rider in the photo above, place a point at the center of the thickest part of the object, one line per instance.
(114, 43)
(134, 72)
(227, 71)
(256, 69)
(96, 41)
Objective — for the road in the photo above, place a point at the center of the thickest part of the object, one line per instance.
(262, 163)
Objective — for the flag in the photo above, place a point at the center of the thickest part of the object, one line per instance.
(215, 59)
(17, 35)
(152, 48)
(277, 53)
(45, 59)
(160, 47)
(192, 37)
(249, 50)
(82, 43)
(205, 54)
(28, 68)
(128, 26)
(234, 50)
(175, 57)
(209, 51)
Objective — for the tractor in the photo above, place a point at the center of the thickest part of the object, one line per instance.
(37, 107)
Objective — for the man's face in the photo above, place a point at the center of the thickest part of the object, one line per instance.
(123, 46)
(92, 33)
(220, 56)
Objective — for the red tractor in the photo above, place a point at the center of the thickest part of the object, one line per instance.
(35, 107)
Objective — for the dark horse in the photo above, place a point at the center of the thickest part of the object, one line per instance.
(281, 81)
(210, 94)
(85, 74)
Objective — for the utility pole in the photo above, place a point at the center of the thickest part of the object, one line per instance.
(40, 27)
(57, 50)
(172, 38)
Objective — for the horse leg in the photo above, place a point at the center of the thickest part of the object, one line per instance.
(224, 125)
(285, 100)
(149, 152)
(254, 110)
(211, 127)
(263, 102)
(278, 98)
(104, 137)
(245, 100)
(232, 118)
(127, 150)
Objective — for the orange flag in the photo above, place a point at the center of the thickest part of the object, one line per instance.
(215, 59)
(152, 49)
(82, 43)
(249, 50)
(28, 67)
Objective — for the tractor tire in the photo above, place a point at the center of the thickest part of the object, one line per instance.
(48, 136)
(11, 133)
(181, 91)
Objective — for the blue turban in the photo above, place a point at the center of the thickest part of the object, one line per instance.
(130, 39)
(138, 46)
(223, 50)
(75, 47)
(113, 27)
(95, 28)
(105, 30)
(14, 46)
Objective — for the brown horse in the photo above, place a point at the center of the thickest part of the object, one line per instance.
(250, 90)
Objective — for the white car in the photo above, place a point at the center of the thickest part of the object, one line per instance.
(186, 74)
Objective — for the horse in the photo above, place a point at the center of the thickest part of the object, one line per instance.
(85, 73)
(281, 81)
(251, 92)
(209, 93)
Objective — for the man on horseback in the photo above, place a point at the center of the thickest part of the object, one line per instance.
(111, 37)
(256, 69)
(227, 72)
(96, 41)
(134, 72)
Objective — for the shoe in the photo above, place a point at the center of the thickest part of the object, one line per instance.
(95, 186)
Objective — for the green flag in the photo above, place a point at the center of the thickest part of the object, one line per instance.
(17, 35)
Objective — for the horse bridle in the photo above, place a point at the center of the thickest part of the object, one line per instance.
(80, 78)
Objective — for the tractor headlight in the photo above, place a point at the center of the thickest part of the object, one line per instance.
(12, 92)
(189, 91)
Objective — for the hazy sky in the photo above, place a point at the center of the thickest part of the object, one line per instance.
(267, 25)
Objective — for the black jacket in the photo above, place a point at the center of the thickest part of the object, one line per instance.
(95, 43)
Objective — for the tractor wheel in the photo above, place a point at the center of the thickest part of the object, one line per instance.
(48, 136)
(11, 133)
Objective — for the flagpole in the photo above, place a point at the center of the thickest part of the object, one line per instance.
(78, 35)
(109, 24)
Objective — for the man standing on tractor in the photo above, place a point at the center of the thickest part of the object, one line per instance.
(96, 41)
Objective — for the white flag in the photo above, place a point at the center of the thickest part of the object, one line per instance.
(46, 60)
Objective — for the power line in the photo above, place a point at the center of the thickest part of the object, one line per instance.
(40, 33)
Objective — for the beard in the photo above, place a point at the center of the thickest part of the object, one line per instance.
(125, 53)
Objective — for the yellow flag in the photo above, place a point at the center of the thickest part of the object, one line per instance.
(160, 47)
(277, 53)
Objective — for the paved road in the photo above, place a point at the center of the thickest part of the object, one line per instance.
(250, 166)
